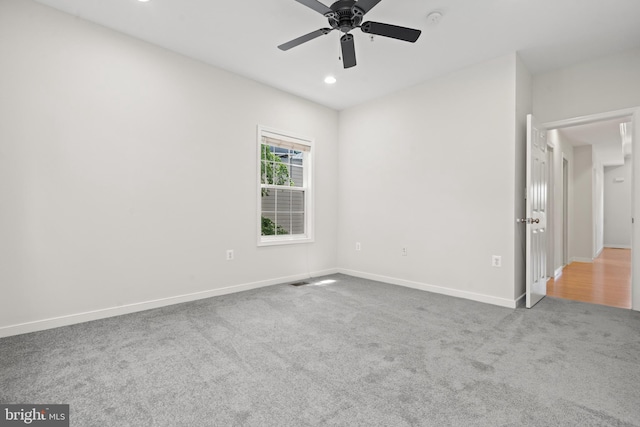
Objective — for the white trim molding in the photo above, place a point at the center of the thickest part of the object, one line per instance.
(72, 319)
(521, 301)
(502, 302)
(584, 120)
(599, 253)
(558, 272)
(286, 140)
(581, 259)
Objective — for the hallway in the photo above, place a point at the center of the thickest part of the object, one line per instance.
(606, 281)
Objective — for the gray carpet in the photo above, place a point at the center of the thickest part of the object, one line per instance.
(350, 353)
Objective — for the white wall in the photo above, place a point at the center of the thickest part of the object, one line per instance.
(126, 171)
(605, 84)
(604, 155)
(610, 154)
(440, 156)
(581, 235)
(562, 149)
(617, 206)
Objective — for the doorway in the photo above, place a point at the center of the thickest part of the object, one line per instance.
(590, 265)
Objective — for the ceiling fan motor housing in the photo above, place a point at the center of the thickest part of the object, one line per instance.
(347, 15)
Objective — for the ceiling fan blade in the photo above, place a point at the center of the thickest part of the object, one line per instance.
(366, 5)
(393, 31)
(303, 39)
(348, 51)
(317, 6)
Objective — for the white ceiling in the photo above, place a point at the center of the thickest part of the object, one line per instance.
(604, 136)
(599, 133)
(242, 36)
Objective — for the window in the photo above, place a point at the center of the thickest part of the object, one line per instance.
(284, 188)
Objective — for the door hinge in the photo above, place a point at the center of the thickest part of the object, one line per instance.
(528, 220)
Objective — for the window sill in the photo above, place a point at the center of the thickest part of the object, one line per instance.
(283, 240)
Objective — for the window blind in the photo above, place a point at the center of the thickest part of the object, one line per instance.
(285, 143)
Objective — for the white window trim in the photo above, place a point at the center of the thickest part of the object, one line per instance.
(308, 237)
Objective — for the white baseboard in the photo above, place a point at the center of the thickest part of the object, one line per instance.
(55, 322)
(558, 272)
(521, 301)
(618, 246)
(502, 302)
(580, 259)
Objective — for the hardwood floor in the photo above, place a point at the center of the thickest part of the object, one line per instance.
(606, 281)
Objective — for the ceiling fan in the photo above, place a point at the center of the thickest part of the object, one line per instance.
(345, 15)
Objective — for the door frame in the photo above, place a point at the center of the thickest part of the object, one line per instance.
(565, 212)
(634, 115)
(551, 208)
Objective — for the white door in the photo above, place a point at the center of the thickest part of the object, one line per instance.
(536, 216)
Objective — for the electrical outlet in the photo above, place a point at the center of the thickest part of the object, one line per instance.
(405, 252)
(496, 261)
(358, 246)
(229, 254)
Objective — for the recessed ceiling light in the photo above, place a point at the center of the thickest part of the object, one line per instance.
(143, 1)
(330, 80)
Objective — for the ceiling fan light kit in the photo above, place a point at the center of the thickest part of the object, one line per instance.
(344, 16)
